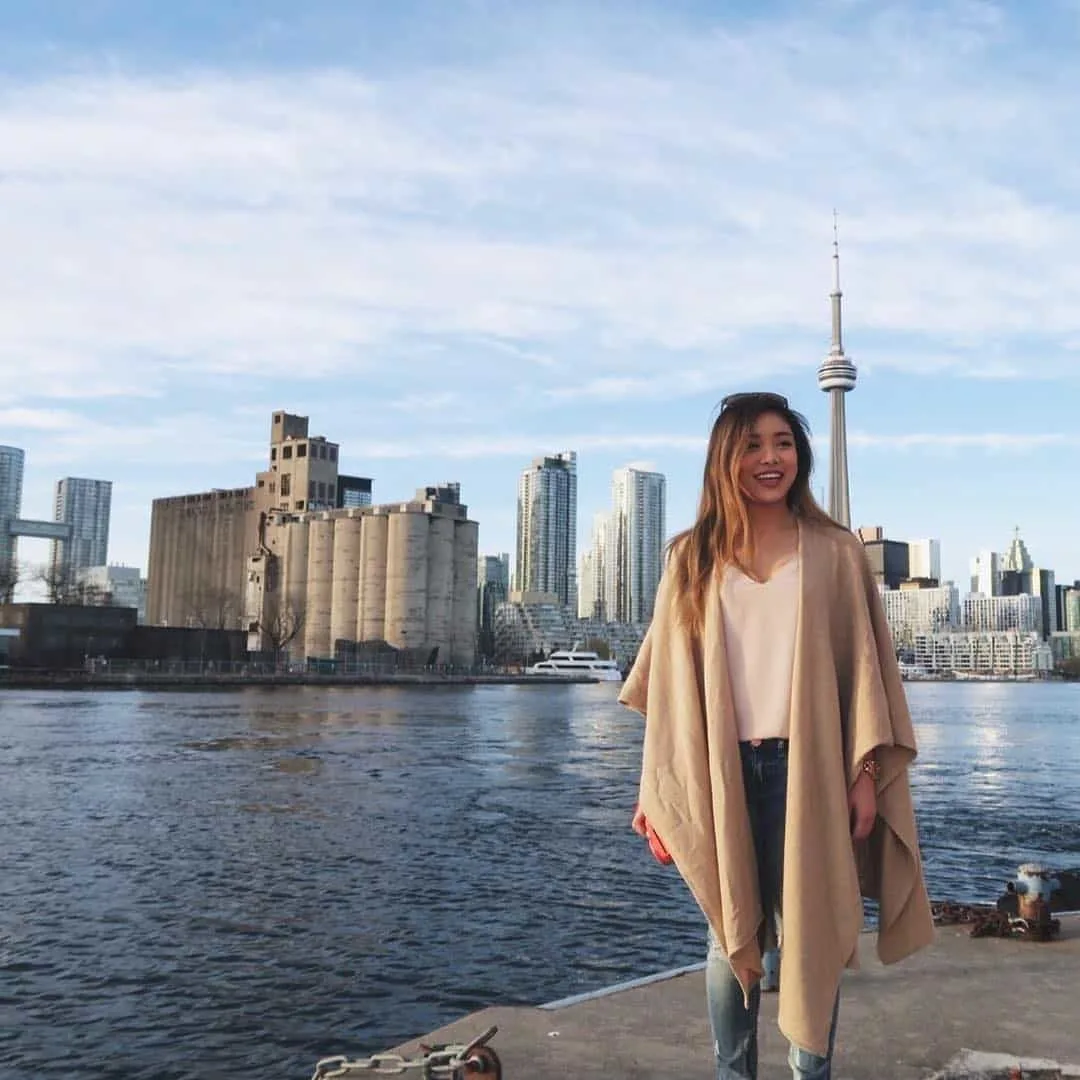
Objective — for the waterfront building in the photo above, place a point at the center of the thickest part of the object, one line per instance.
(404, 574)
(636, 539)
(546, 555)
(199, 543)
(196, 565)
(1005, 653)
(84, 506)
(530, 625)
(836, 377)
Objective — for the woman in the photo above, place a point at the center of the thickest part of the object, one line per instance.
(777, 740)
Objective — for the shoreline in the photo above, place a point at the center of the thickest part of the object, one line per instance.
(221, 681)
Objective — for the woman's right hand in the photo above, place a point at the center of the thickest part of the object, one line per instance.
(641, 826)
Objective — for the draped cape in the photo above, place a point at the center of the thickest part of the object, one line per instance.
(847, 699)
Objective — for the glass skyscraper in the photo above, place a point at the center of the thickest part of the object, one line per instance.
(85, 506)
(12, 463)
(546, 556)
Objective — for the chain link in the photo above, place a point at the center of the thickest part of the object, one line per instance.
(439, 1062)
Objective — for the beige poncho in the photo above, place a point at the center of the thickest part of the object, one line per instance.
(847, 699)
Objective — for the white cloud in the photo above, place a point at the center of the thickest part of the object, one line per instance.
(527, 446)
(607, 209)
(25, 419)
(991, 441)
(520, 446)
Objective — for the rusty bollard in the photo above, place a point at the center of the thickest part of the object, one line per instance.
(1033, 887)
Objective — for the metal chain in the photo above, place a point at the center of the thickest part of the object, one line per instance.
(449, 1062)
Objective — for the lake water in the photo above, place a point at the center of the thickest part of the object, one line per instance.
(237, 883)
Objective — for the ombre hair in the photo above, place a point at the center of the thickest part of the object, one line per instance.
(721, 535)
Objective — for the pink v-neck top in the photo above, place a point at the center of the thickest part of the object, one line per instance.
(759, 628)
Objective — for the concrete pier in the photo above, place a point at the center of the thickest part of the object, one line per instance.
(910, 1021)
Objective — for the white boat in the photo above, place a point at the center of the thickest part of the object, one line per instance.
(577, 662)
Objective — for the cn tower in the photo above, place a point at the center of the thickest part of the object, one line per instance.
(836, 377)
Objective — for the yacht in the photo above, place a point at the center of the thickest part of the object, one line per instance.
(576, 661)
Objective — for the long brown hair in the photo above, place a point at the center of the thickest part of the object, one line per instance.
(721, 535)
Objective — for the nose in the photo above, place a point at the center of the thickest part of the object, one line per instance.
(769, 454)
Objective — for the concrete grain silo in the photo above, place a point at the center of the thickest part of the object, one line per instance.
(294, 565)
(440, 585)
(344, 613)
(406, 579)
(373, 539)
(320, 585)
(463, 616)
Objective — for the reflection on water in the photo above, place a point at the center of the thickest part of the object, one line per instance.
(245, 881)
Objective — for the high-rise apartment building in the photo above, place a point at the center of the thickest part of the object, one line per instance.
(594, 578)
(83, 505)
(546, 556)
(924, 560)
(636, 539)
(492, 589)
(12, 463)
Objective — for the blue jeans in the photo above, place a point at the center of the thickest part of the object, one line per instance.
(734, 1025)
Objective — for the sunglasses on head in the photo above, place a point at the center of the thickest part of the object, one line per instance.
(776, 401)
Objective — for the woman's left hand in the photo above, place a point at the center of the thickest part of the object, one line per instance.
(862, 802)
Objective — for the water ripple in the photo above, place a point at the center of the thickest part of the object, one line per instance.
(239, 883)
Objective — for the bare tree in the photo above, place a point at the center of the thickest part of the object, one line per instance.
(215, 607)
(280, 629)
(61, 584)
(9, 579)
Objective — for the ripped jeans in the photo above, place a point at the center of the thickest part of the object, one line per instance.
(734, 1025)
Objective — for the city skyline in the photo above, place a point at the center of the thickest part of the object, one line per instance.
(433, 228)
(967, 568)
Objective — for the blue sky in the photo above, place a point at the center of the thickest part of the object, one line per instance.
(459, 235)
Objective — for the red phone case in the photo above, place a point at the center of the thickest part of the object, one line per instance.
(656, 846)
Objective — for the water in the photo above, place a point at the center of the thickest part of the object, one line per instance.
(237, 883)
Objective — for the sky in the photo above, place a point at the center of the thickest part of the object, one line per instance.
(459, 235)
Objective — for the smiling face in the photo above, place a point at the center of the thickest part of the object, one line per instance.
(770, 462)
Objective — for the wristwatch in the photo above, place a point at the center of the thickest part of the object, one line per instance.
(871, 766)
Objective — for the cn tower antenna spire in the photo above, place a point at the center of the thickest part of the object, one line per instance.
(836, 377)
